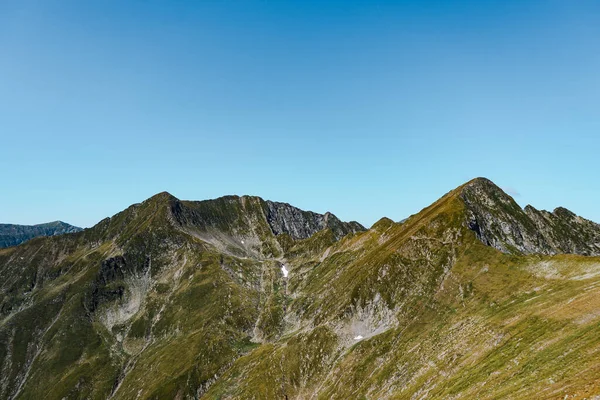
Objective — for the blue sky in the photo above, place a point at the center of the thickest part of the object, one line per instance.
(362, 108)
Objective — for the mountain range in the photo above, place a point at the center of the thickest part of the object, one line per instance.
(473, 297)
(12, 235)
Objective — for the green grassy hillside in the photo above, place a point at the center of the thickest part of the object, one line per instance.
(188, 300)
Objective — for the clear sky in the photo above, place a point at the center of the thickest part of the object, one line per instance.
(362, 108)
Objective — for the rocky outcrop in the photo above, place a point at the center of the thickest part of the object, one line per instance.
(498, 221)
(299, 224)
(12, 235)
(566, 232)
(250, 225)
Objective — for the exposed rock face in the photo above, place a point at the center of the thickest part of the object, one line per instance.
(284, 218)
(566, 232)
(250, 225)
(500, 222)
(12, 235)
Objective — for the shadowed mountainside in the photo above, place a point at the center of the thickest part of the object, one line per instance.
(13, 235)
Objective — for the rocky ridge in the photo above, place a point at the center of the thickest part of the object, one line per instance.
(500, 222)
(252, 226)
(239, 297)
(13, 235)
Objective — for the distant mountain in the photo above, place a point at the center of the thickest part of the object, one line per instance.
(12, 235)
(245, 298)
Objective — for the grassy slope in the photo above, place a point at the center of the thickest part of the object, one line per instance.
(443, 316)
(472, 322)
(190, 319)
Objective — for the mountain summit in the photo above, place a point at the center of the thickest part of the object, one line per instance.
(499, 221)
(240, 297)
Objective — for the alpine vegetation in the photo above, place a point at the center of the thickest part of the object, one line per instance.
(473, 297)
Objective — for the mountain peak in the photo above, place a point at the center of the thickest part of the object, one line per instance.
(563, 212)
(485, 186)
(382, 224)
(498, 221)
(480, 181)
(160, 197)
(12, 235)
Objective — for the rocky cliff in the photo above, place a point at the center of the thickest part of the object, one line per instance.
(284, 218)
(500, 222)
(251, 225)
